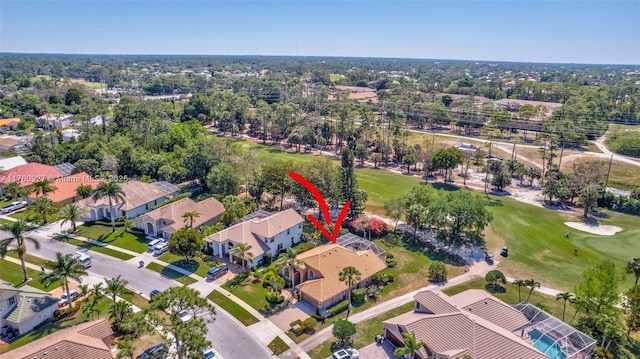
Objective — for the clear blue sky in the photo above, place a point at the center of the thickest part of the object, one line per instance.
(533, 31)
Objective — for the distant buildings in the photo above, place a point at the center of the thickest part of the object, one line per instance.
(51, 121)
(9, 124)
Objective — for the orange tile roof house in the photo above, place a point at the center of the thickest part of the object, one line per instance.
(319, 278)
(88, 340)
(28, 174)
(139, 197)
(479, 325)
(10, 123)
(166, 220)
(65, 187)
(264, 232)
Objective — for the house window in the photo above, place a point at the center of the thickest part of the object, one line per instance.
(300, 226)
(147, 206)
(124, 213)
(279, 247)
(291, 240)
(310, 274)
(12, 301)
(288, 231)
(271, 240)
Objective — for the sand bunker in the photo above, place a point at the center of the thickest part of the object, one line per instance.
(594, 228)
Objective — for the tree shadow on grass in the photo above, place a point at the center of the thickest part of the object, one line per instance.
(491, 288)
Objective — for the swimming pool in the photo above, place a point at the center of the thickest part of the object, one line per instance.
(546, 345)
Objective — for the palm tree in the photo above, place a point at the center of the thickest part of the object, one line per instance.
(531, 284)
(411, 346)
(634, 267)
(43, 186)
(84, 289)
(115, 286)
(17, 230)
(97, 289)
(63, 269)
(114, 193)
(125, 349)
(519, 283)
(290, 260)
(189, 216)
(127, 223)
(43, 207)
(71, 213)
(119, 311)
(566, 297)
(581, 304)
(90, 307)
(350, 276)
(12, 189)
(242, 251)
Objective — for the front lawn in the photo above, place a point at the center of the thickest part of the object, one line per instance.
(32, 217)
(171, 274)
(12, 273)
(278, 346)
(232, 308)
(197, 265)
(95, 248)
(133, 240)
(365, 333)
(254, 294)
(134, 298)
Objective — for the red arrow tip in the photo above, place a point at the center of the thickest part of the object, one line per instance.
(336, 229)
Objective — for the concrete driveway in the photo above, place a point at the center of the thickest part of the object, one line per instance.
(299, 310)
(378, 351)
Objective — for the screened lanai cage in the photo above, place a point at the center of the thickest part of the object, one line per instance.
(358, 243)
(555, 338)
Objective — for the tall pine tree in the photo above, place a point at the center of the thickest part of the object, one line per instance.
(350, 190)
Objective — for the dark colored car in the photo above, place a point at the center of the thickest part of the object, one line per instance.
(216, 272)
(153, 294)
(155, 352)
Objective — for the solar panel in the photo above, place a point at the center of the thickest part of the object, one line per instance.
(167, 187)
(66, 168)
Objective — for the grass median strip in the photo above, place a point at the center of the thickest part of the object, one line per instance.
(95, 248)
(171, 274)
(234, 309)
(278, 346)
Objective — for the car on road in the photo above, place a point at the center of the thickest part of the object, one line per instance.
(14, 206)
(158, 351)
(348, 353)
(64, 299)
(184, 316)
(208, 353)
(153, 294)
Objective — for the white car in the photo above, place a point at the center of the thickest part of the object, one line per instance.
(184, 316)
(64, 300)
(208, 353)
(348, 353)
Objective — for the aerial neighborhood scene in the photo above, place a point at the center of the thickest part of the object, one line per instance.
(344, 180)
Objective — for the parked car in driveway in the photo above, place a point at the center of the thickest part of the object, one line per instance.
(158, 351)
(348, 353)
(64, 299)
(153, 294)
(185, 316)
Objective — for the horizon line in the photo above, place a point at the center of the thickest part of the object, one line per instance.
(315, 56)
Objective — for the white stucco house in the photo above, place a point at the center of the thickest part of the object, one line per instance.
(22, 309)
(263, 231)
(51, 121)
(139, 198)
(166, 220)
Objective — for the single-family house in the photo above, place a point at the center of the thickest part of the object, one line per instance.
(51, 121)
(26, 175)
(99, 120)
(319, 272)
(264, 232)
(70, 133)
(9, 143)
(11, 162)
(22, 309)
(166, 220)
(90, 340)
(65, 188)
(139, 197)
(9, 124)
(476, 324)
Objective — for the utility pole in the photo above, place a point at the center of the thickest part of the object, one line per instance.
(513, 152)
(606, 183)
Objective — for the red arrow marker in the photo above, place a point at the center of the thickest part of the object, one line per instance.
(323, 206)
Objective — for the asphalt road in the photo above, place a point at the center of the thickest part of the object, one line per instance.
(228, 337)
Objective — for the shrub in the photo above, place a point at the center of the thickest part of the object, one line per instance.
(297, 321)
(316, 316)
(337, 309)
(274, 298)
(358, 295)
(391, 262)
(437, 272)
(308, 245)
(310, 324)
(368, 226)
(390, 277)
(389, 255)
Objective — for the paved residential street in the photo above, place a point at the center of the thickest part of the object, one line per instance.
(228, 337)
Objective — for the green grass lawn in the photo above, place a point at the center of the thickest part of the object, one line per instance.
(91, 85)
(365, 334)
(12, 273)
(29, 216)
(29, 258)
(197, 265)
(171, 274)
(96, 248)
(232, 308)
(254, 295)
(278, 346)
(101, 231)
(538, 248)
(334, 77)
(5, 221)
(134, 298)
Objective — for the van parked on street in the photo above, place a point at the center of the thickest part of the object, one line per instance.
(83, 258)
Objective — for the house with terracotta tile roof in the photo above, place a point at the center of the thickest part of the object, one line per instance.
(90, 339)
(9, 143)
(139, 198)
(476, 324)
(318, 274)
(24, 308)
(26, 175)
(10, 124)
(65, 188)
(166, 220)
(264, 232)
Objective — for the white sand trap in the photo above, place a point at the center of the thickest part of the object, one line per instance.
(595, 228)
